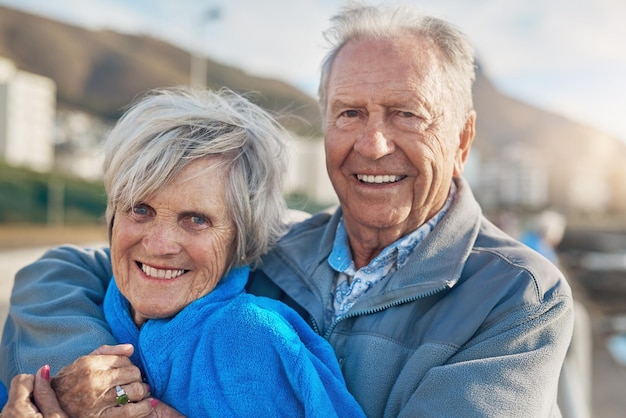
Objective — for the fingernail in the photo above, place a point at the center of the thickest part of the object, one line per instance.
(153, 403)
(45, 372)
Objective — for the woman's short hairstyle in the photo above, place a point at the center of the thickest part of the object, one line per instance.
(455, 52)
(167, 129)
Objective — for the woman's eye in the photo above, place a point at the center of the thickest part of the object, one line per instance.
(198, 220)
(140, 213)
(140, 210)
(195, 222)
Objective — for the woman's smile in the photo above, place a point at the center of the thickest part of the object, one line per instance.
(160, 273)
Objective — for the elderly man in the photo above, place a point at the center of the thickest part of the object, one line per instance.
(431, 310)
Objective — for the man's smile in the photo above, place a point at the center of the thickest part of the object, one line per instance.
(378, 179)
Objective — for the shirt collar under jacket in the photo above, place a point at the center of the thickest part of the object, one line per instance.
(393, 256)
(351, 284)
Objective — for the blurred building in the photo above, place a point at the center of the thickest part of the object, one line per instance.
(306, 175)
(517, 178)
(27, 118)
(79, 137)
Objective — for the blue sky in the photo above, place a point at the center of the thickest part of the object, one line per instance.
(566, 56)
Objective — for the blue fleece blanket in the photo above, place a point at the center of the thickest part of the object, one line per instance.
(234, 354)
(3, 395)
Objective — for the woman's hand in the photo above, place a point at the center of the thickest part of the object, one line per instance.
(87, 387)
(21, 392)
(34, 397)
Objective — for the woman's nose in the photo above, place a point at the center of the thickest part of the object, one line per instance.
(161, 239)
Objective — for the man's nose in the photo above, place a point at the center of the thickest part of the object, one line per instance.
(375, 141)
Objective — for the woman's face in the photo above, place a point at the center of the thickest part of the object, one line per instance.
(173, 247)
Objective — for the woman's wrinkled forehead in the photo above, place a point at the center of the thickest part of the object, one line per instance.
(215, 166)
(155, 176)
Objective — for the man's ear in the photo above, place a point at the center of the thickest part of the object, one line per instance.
(466, 137)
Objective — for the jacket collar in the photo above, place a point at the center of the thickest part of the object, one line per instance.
(437, 262)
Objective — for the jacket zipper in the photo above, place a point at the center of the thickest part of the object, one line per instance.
(326, 336)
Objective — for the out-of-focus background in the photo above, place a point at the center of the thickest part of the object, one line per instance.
(550, 97)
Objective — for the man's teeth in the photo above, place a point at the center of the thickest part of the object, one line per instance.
(378, 179)
(161, 273)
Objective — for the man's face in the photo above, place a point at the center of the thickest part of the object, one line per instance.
(392, 142)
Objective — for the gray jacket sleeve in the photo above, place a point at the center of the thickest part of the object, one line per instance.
(55, 314)
(510, 370)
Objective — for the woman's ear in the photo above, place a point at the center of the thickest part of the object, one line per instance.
(111, 228)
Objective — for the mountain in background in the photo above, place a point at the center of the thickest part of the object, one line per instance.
(584, 168)
(100, 72)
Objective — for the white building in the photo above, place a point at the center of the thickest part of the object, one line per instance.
(27, 118)
(516, 178)
(79, 138)
(306, 174)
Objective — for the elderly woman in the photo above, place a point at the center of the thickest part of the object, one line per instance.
(194, 198)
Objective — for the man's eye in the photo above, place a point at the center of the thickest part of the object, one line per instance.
(350, 113)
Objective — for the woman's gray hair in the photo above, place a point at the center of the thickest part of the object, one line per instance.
(357, 21)
(168, 129)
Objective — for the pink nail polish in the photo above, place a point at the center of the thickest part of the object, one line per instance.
(153, 403)
(45, 372)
